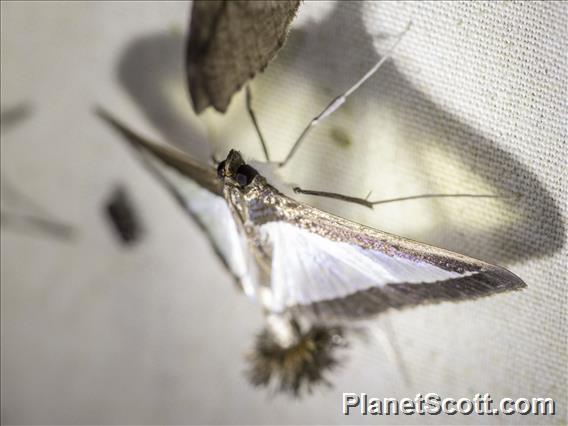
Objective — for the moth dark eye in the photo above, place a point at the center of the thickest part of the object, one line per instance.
(221, 170)
(245, 174)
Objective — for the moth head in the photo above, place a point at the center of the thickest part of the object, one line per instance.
(233, 171)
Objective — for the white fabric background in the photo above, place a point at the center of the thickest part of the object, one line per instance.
(473, 101)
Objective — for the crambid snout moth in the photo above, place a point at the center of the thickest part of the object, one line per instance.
(299, 262)
(294, 258)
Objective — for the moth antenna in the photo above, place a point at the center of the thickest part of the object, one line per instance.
(340, 100)
(255, 123)
(370, 204)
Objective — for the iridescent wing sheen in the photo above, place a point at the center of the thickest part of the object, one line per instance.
(332, 267)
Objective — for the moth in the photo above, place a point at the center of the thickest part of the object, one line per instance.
(293, 258)
(301, 263)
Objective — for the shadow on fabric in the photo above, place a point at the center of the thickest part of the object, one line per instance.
(153, 64)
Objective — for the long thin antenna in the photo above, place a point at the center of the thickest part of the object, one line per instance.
(370, 204)
(255, 122)
(340, 100)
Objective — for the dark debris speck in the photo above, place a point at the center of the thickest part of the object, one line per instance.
(123, 216)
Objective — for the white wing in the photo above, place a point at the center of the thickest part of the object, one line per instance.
(212, 214)
(196, 187)
(309, 270)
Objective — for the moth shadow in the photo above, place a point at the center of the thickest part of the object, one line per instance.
(525, 227)
(151, 70)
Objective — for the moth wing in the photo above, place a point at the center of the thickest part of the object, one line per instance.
(332, 267)
(211, 213)
(229, 42)
(196, 188)
(198, 172)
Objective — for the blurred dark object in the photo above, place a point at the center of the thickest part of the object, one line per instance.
(26, 216)
(123, 216)
(10, 116)
(229, 42)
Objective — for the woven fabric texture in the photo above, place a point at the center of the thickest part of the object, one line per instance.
(474, 100)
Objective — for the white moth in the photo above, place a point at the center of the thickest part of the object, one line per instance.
(293, 258)
(299, 262)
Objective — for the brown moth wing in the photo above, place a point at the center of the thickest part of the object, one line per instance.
(229, 42)
(202, 174)
(479, 278)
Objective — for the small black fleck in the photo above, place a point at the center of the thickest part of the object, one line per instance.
(123, 216)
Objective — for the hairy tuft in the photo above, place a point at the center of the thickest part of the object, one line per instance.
(300, 366)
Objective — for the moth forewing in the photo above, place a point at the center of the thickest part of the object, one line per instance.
(196, 187)
(331, 265)
(202, 174)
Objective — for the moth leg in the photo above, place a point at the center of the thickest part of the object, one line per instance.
(334, 195)
(370, 204)
(340, 100)
(255, 122)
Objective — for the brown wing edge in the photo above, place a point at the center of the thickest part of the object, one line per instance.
(183, 164)
(202, 174)
(376, 300)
